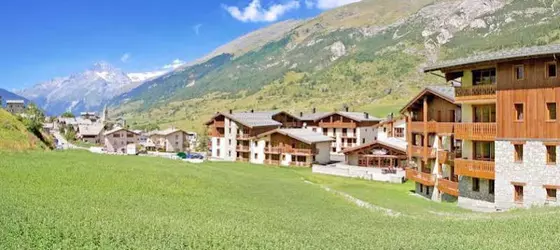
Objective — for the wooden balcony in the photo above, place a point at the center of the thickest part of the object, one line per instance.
(338, 124)
(445, 157)
(475, 168)
(448, 187)
(272, 150)
(241, 148)
(433, 127)
(300, 151)
(346, 135)
(476, 93)
(476, 131)
(273, 162)
(243, 137)
(423, 178)
(424, 152)
(293, 124)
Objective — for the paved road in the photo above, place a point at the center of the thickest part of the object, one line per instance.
(64, 143)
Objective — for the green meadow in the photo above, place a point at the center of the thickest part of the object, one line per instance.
(78, 200)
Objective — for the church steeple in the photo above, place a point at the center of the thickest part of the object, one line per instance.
(105, 116)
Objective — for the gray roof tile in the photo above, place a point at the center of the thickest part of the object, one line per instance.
(498, 56)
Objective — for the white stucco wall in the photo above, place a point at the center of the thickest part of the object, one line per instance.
(324, 155)
(258, 149)
(230, 140)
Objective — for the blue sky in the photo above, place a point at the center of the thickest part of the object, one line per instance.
(45, 39)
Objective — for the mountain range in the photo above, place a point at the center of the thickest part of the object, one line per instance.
(367, 55)
(7, 95)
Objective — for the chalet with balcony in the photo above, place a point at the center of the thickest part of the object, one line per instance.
(291, 147)
(348, 129)
(432, 148)
(509, 128)
(388, 153)
(232, 133)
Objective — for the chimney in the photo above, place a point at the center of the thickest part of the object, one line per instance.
(314, 110)
(300, 114)
(252, 111)
(392, 116)
(230, 111)
(346, 108)
(366, 115)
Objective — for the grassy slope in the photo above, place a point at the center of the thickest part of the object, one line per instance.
(14, 136)
(80, 200)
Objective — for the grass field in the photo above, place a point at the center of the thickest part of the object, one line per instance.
(76, 200)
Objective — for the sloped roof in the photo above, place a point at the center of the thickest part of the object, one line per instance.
(503, 55)
(118, 129)
(301, 134)
(393, 143)
(445, 92)
(253, 119)
(90, 130)
(356, 116)
(166, 131)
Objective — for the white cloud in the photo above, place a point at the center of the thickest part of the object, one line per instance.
(196, 28)
(125, 57)
(254, 12)
(175, 64)
(309, 4)
(328, 4)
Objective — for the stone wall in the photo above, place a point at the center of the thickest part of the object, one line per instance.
(425, 191)
(475, 200)
(373, 174)
(534, 172)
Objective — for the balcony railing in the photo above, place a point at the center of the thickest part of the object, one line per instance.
(300, 164)
(423, 178)
(475, 168)
(273, 150)
(425, 152)
(448, 187)
(433, 127)
(243, 136)
(301, 151)
(274, 162)
(243, 148)
(445, 157)
(478, 92)
(337, 124)
(476, 131)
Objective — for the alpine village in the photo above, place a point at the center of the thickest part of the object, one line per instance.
(371, 141)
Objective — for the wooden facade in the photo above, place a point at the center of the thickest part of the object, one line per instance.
(378, 155)
(339, 121)
(536, 93)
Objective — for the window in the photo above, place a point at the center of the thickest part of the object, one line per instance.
(518, 195)
(363, 140)
(325, 131)
(484, 151)
(550, 154)
(519, 112)
(314, 130)
(384, 130)
(229, 142)
(551, 194)
(519, 72)
(551, 70)
(551, 108)
(255, 144)
(255, 156)
(491, 186)
(228, 153)
(334, 150)
(518, 152)
(475, 184)
(399, 132)
(484, 76)
(421, 188)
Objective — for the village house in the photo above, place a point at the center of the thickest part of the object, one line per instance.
(291, 147)
(431, 116)
(120, 140)
(15, 106)
(506, 137)
(348, 129)
(232, 133)
(92, 134)
(169, 140)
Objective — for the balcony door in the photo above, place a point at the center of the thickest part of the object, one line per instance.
(483, 151)
(484, 113)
